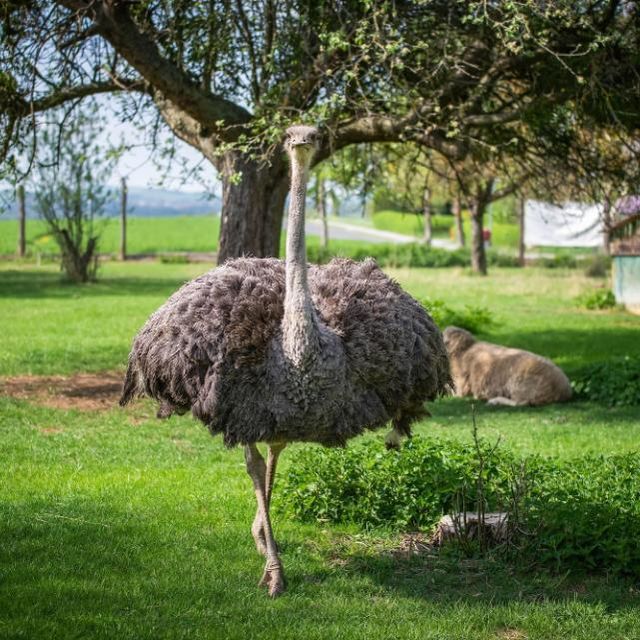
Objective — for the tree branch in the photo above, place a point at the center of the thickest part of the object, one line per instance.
(375, 128)
(114, 23)
(59, 98)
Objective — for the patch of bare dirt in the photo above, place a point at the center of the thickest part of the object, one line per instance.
(413, 544)
(83, 391)
(50, 431)
(511, 634)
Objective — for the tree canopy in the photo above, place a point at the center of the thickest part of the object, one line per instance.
(227, 76)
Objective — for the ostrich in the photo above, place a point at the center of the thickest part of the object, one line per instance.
(266, 351)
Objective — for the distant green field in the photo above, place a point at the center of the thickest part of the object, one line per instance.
(144, 235)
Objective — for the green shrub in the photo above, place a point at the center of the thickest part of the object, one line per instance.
(597, 299)
(168, 258)
(499, 259)
(577, 514)
(597, 266)
(585, 513)
(558, 261)
(392, 255)
(474, 319)
(613, 383)
(372, 487)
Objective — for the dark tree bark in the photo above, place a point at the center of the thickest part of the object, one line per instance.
(521, 245)
(457, 214)
(253, 197)
(478, 253)
(481, 199)
(606, 223)
(426, 217)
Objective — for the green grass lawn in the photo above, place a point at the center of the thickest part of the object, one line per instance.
(115, 524)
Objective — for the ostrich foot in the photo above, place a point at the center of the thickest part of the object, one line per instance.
(273, 578)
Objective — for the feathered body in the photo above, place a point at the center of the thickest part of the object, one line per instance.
(216, 347)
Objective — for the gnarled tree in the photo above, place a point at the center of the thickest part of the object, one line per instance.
(227, 76)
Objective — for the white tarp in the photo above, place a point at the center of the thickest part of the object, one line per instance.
(573, 224)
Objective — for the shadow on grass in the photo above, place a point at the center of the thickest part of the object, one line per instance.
(82, 568)
(448, 579)
(78, 565)
(19, 284)
(582, 412)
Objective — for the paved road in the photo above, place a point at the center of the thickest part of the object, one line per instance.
(346, 231)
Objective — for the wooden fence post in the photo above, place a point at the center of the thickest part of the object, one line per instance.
(22, 222)
(123, 219)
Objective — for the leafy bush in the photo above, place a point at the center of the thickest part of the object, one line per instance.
(586, 514)
(401, 490)
(597, 266)
(612, 383)
(577, 514)
(391, 255)
(499, 259)
(474, 319)
(174, 258)
(597, 299)
(558, 261)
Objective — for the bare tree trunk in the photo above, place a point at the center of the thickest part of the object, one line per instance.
(22, 222)
(606, 224)
(426, 216)
(481, 199)
(521, 245)
(457, 214)
(478, 253)
(321, 207)
(80, 266)
(123, 219)
(253, 197)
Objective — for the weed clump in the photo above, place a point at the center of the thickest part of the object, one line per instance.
(597, 299)
(614, 383)
(471, 318)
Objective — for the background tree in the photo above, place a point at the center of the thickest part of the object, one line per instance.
(227, 77)
(69, 186)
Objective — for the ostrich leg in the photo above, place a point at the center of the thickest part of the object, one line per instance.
(273, 576)
(272, 460)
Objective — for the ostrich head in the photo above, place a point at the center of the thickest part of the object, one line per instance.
(301, 143)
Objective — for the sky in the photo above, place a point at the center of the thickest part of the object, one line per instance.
(137, 165)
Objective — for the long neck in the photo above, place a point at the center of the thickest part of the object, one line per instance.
(299, 330)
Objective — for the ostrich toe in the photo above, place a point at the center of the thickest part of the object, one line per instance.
(273, 578)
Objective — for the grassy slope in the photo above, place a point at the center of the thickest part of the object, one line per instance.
(115, 524)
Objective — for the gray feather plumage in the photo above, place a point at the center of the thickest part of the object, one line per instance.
(215, 348)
